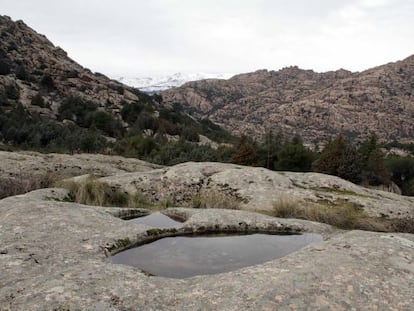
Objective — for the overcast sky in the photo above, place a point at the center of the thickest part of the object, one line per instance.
(153, 37)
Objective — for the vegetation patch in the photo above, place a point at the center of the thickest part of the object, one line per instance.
(93, 192)
(25, 183)
(214, 199)
(342, 192)
(340, 214)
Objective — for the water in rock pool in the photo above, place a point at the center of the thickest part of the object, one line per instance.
(156, 220)
(181, 257)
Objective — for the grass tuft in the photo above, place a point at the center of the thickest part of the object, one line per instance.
(25, 182)
(93, 192)
(214, 199)
(343, 215)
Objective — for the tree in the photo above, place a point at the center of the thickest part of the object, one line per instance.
(245, 154)
(374, 171)
(270, 148)
(295, 157)
(339, 158)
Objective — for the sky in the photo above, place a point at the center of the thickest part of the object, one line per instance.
(135, 38)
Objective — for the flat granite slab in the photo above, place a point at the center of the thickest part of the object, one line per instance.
(56, 256)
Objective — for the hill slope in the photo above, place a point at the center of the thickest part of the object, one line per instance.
(31, 64)
(315, 105)
(49, 102)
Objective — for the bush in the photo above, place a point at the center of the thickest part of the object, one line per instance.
(4, 67)
(93, 192)
(47, 82)
(38, 100)
(106, 123)
(21, 73)
(12, 91)
(77, 110)
(343, 215)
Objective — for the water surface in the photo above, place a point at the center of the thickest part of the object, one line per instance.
(181, 257)
(157, 219)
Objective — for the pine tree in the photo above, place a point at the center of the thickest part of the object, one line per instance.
(245, 154)
(340, 158)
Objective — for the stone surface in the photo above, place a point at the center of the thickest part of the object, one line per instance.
(54, 256)
(26, 170)
(258, 188)
(65, 165)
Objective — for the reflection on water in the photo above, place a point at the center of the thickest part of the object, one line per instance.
(181, 257)
(156, 220)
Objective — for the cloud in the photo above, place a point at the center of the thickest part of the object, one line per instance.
(165, 36)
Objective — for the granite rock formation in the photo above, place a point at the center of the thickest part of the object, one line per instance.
(56, 256)
(314, 105)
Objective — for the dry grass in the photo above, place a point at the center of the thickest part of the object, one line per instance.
(214, 199)
(343, 215)
(93, 192)
(24, 183)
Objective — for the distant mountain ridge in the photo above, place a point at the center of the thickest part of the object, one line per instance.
(156, 84)
(315, 105)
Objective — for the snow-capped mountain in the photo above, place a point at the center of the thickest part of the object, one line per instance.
(160, 83)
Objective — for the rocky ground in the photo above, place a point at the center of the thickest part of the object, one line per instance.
(56, 255)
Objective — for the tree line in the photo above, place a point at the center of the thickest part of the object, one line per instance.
(364, 163)
(168, 136)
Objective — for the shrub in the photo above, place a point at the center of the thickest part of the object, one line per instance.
(214, 199)
(343, 215)
(12, 91)
(106, 123)
(21, 73)
(4, 67)
(47, 82)
(77, 110)
(38, 100)
(94, 192)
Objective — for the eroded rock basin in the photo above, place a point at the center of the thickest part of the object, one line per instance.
(182, 257)
(158, 220)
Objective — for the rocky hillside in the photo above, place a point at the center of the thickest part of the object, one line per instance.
(315, 105)
(30, 66)
(49, 102)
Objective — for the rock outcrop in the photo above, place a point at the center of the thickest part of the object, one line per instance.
(56, 256)
(24, 171)
(315, 105)
(258, 188)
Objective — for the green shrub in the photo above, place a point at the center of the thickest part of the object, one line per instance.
(106, 123)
